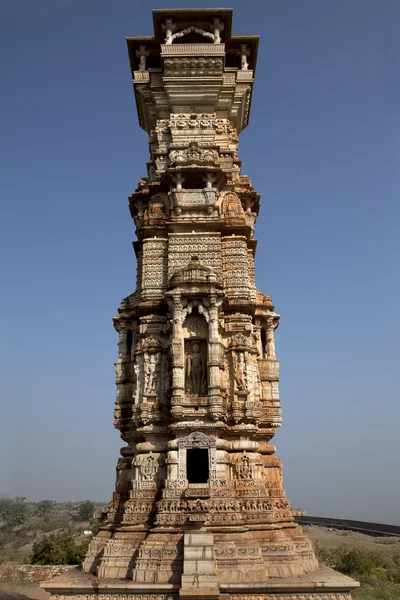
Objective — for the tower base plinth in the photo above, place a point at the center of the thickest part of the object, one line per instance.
(323, 584)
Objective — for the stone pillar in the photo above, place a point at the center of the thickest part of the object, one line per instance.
(215, 398)
(122, 345)
(270, 338)
(177, 358)
(142, 55)
(168, 27)
(217, 27)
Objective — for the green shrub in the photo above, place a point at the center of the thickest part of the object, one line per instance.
(358, 561)
(393, 575)
(58, 550)
(355, 561)
(384, 591)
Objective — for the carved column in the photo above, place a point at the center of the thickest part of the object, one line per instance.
(142, 55)
(217, 27)
(271, 325)
(215, 398)
(122, 345)
(177, 357)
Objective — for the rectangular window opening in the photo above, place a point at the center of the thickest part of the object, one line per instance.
(197, 465)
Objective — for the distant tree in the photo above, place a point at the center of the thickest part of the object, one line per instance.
(13, 511)
(85, 511)
(95, 525)
(58, 550)
(44, 507)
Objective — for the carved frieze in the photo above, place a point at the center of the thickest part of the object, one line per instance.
(191, 66)
(194, 155)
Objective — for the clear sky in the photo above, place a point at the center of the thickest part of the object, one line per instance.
(322, 148)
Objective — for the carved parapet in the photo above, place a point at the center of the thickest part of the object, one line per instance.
(271, 417)
(268, 369)
(244, 76)
(192, 50)
(193, 200)
(141, 76)
(271, 412)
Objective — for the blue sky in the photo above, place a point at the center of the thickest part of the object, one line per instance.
(322, 148)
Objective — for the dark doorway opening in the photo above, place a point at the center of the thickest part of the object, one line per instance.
(197, 465)
(129, 341)
(263, 344)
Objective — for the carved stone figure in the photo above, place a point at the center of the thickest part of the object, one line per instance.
(149, 468)
(196, 373)
(244, 468)
(240, 371)
(151, 373)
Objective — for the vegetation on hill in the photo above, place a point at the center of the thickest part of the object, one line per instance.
(45, 532)
(378, 572)
(59, 550)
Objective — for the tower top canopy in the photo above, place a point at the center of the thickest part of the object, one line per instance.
(193, 64)
(187, 17)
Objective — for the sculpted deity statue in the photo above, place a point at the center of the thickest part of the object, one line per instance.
(196, 373)
(239, 366)
(244, 469)
(149, 468)
(150, 373)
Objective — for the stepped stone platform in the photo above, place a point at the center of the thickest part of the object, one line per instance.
(322, 584)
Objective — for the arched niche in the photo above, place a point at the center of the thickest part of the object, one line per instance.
(195, 335)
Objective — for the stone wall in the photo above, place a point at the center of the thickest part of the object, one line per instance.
(32, 573)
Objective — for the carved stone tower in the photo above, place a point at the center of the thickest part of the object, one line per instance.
(199, 509)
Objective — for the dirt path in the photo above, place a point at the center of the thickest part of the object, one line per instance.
(22, 591)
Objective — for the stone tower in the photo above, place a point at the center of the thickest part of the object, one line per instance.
(199, 509)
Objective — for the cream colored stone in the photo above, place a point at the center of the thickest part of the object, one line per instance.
(199, 508)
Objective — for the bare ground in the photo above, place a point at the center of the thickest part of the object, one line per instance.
(333, 538)
(22, 591)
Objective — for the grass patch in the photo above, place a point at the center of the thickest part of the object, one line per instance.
(378, 573)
